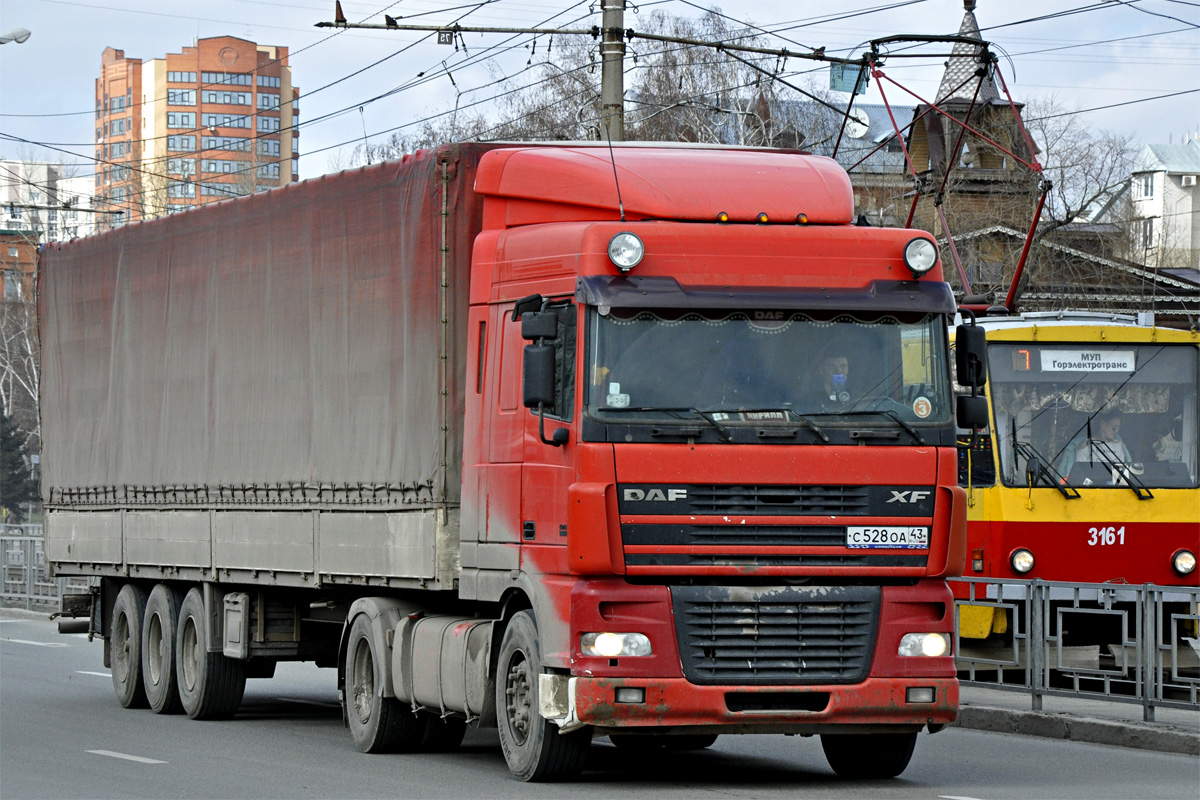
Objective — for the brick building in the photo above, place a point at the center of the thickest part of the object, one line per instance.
(217, 120)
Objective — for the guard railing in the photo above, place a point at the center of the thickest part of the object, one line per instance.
(1114, 642)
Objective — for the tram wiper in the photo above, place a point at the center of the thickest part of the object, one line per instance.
(1038, 468)
(1121, 470)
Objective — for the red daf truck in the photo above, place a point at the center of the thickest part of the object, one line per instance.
(644, 442)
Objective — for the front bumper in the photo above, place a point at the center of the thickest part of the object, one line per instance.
(875, 705)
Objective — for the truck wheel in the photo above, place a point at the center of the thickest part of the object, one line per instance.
(532, 745)
(650, 741)
(868, 755)
(378, 724)
(158, 650)
(126, 646)
(442, 735)
(210, 684)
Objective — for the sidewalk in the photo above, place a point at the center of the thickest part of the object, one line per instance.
(1174, 730)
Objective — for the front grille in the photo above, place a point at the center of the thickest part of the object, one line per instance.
(719, 535)
(781, 500)
(785, 635)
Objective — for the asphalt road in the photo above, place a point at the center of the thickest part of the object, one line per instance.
(62, 735)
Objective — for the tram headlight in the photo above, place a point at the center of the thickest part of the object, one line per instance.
(1021, 561)
(1183, 562)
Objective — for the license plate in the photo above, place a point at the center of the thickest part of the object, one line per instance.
(892, 537)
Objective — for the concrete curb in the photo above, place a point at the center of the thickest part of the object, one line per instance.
(1140, 735)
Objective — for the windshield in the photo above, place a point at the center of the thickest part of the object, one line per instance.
(1096, 413)
(728, 363)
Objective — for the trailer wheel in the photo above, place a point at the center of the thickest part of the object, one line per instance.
(532, 745)
(650, 741)
(158, 650)
(868, 755)
(210, 684)
(378, 724)
(126, 646)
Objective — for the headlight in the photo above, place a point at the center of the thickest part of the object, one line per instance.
(1021, 560)
(920, 255)
(1183, 562)
(925, 644)
(625, 250)
(612, 645)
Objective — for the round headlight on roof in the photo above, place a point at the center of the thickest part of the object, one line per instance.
(920, 255)
(625, 250)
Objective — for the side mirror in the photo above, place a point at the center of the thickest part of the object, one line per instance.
(971, 412)
(1033, 470)
(970, 356)
(539, 325)
(537, 382)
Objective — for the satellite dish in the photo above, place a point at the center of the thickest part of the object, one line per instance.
(858, 124)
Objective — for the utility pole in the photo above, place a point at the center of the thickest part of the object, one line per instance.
(612, 69)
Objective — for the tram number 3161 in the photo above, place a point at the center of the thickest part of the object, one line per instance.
(1109, 535)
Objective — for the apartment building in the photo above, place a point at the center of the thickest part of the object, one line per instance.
(217, 120)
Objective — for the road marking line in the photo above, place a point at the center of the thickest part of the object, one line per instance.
(97, 674)
(308, 702)
(955, 797)
(37, 644)
(127, 757)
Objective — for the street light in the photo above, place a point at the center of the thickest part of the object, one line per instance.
(18, 35)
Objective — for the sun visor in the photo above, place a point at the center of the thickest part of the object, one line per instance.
(928, 297)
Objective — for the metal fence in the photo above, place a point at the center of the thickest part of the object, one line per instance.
(26, 584)
(1126, 644)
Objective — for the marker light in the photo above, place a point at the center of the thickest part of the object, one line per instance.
(802, 219)
(611, 645)
(723, 216)
(932, 645)
(1021, 560)
(1183, 562)
(920, 255)
(625, 250)
(762, 218)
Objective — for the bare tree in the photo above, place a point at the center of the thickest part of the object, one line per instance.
(19, 362)
(673, 93)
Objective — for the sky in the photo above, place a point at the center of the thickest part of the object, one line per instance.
(1130, 67)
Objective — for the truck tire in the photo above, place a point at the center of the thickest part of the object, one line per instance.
(126, 646)
(650, 741)
(868, 755)
(210, 684)
(532, 745)
(378, 724)
(442, 735)
(158, 649)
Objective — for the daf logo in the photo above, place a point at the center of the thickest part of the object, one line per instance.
(655, 495)
(908, 497)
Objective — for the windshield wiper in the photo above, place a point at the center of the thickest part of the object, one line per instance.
(793, 415)
(1043, 469)
(718, 427)
(892, 415)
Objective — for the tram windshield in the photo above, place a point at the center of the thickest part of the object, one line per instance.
(1095, 415)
